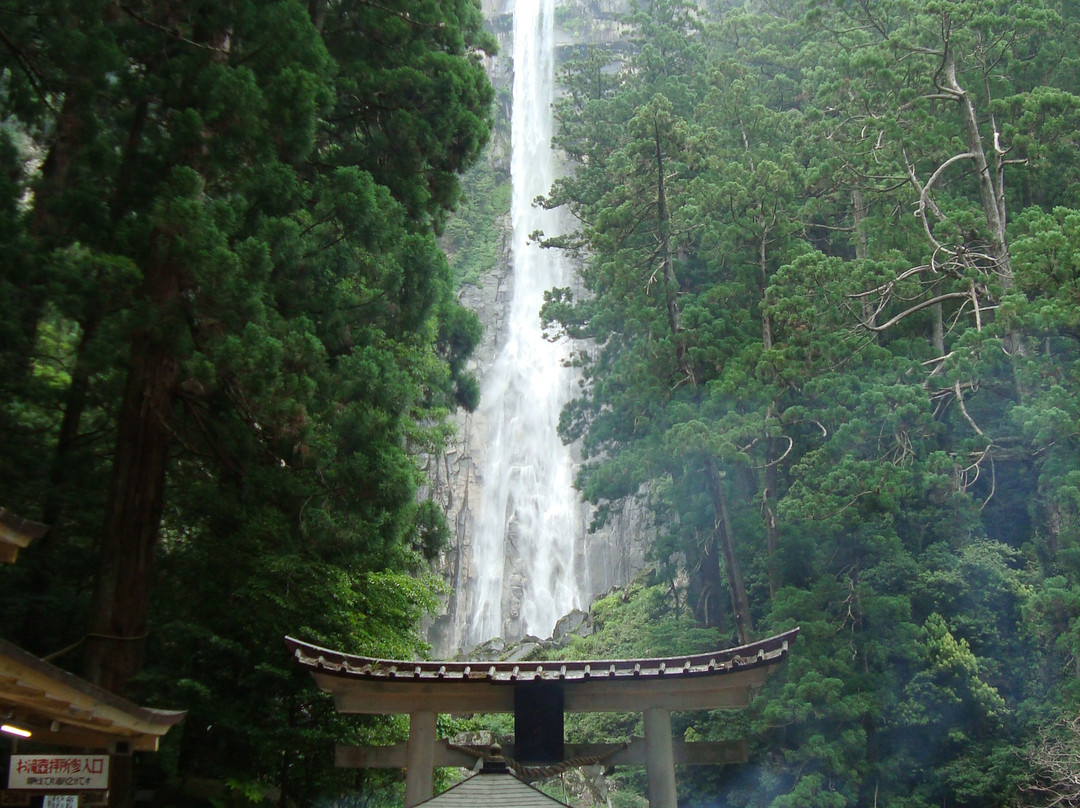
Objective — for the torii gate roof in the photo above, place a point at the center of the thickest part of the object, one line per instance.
(361, 684)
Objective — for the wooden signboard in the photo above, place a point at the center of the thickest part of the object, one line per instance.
(58, 772)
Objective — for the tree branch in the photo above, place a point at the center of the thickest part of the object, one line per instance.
(918, 307)
(173, 34)
(27, 67)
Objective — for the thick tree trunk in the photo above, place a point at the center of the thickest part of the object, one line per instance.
(317, 12)
(64, 153)
(122, 594)
(705, 594)
(740, 602)
(119, 622)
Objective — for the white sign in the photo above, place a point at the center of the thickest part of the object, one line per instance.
(61, 801)
(59, 772)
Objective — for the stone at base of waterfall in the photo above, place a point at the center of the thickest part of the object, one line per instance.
(577, 623)
(527, 649)
(499, 650)
(489, 651)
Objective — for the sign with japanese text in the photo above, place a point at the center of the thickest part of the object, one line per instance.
(60, 801)
(59, 772)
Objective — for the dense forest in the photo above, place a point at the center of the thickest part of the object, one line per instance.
(228, 335)
(829, 285)
(829, 305)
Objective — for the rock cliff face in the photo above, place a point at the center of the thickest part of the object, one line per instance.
(603, 559)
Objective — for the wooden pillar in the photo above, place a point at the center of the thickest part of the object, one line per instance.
(660, 758)
(121, 781)
(420, 758)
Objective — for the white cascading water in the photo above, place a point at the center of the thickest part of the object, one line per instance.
(529, 519)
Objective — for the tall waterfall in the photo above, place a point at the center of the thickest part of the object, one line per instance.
(528, 525)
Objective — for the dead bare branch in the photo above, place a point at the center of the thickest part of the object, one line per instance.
(917, 307)
(1055, 766)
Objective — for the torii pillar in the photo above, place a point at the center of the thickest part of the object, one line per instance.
(420, 758)
(660, 758)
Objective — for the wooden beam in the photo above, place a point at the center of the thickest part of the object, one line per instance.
(686, 753)
(393, 757)
(362, 696)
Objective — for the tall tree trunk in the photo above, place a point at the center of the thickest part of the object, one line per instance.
(769, 511)
(41, 574)
(666, 256)
(769, 514)
(937, 325)
(769, 490)
(862, 251)
(317, 12)
(63, 154)
(707, 583)
(46, 227)
(724, 531)
(667, 259)
(991, 180)
(119, 621)
(74, 406)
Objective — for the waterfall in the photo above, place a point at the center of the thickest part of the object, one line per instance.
(528, 525)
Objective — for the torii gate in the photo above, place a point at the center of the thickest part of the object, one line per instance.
(538, 693)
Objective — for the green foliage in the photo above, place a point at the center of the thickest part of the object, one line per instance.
(474, 236)
(231, 336)
(863, 418)
(642, 621)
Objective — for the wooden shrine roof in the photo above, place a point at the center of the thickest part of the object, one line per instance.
(723, 678)
(492, 788)
(62, 709)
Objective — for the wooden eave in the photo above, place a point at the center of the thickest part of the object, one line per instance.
(62, 709)
(16, 534)
(367, 685)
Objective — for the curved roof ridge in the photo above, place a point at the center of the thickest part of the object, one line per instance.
(766, 651)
